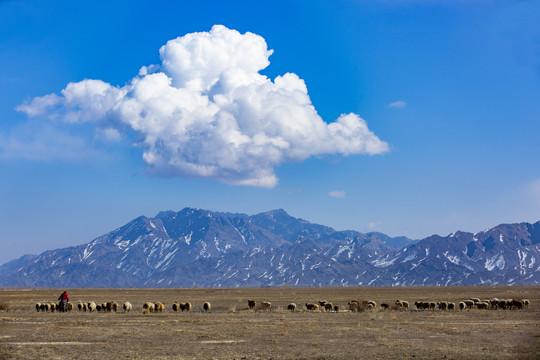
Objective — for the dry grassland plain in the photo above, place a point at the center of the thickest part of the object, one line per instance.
(232, 331)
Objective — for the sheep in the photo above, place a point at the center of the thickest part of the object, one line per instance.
(148, 307)
(422, 305)
(321, 304)
(291, 307)
(354, 306)
(185, 307)
(405, 304)
(469, 303)
(328, 306)
(159, 306)
(482, 305)
(92, 306)
(475, 299)
(38, 307)
(70, 306)
(432, 305)
(207, 307)
(451, 306)
(99, 307)
(252, 303)
(526, 303)
(443, 305)
(462, 305)
(385, 306)
(372, 303)
(312, 307)
(336, 308)
(109, 306)
(264, 305)
(402, 304)
(80, 306)
(518, 304)
(127, 306)
(176, 306)
(52, 307)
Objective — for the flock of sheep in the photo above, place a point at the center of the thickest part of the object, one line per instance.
(323, 306)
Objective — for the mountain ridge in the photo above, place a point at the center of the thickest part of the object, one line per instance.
(196, 247)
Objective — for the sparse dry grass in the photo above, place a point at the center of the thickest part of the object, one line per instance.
(232, 331)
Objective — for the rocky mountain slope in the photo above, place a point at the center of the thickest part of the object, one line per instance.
(196, 247)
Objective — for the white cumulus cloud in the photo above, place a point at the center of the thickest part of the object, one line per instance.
(206, 111)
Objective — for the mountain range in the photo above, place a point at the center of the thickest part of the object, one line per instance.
(201, 248)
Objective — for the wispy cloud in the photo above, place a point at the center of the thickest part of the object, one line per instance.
(398, 104)
(206, 111)
(41, 142)
(339, 194)
(533, 190)
(372, 226)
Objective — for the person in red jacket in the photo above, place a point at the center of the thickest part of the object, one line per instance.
(64, 301)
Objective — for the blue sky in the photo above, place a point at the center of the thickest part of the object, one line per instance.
(449, 91)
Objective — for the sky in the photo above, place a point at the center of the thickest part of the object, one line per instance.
(407, 117)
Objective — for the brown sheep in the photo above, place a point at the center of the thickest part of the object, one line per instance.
(518, 304)
(462, 305)
(52, 307)
(328, 306)
(252, 303)
(526, 303)
(80, 306)
(38, 307)
(185, 307)
(159, 307)
(207, 307)
(264, 305)
(176, 306)
(482, 305)
(312, 307)
(443, 305)
(99, 307)
(354, 306)
(421, 305)
(149, 307)
(291, 307)
(109, 306)
(451, 306)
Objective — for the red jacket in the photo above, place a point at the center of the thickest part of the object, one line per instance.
(64, 296)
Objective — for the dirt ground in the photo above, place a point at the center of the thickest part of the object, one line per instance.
(232, 331)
